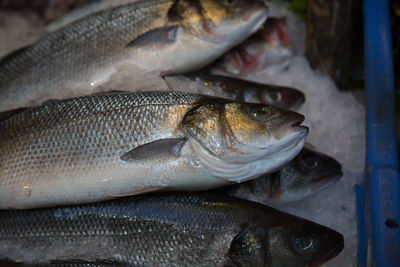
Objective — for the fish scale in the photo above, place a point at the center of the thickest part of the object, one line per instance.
(197, 229)
(142, 232)
(41, 137)
(101, 147)
(126, 48)
(82, 45)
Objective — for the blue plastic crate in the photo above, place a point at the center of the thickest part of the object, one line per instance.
(379, 196)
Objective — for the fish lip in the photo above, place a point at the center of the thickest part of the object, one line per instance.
(302, 130)
(297, 119)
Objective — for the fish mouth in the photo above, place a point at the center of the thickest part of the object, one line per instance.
(322, 183)
(296, 127)
(294, 133)
(329, 255)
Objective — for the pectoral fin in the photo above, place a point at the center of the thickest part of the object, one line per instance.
(160, 148)
(159, 36)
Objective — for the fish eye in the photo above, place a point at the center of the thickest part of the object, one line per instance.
(260, 112)
(274, 97)
(303, 242)
(229, 2)
(310, 162)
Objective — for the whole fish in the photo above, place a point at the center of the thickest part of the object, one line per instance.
(269, 49)
(124, 43)
(167, 230)
(309, 173)
(241, 90)
(100, 147)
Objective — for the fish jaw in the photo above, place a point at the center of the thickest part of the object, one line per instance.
(232, 172)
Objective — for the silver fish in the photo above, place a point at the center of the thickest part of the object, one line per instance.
(237, 89)
(309, 173)
(100, 147)
(166, 230)
(124, 43)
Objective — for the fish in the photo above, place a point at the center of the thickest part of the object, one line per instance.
(309, 173)
(167, 229)
(268, 50)
(241, 90)
(123, 44)
(99, 147)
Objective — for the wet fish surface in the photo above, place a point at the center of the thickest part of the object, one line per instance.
(308, 173)
(104, 146)
(84, 11)
(245, 91)
(167, 230)
(121, 44)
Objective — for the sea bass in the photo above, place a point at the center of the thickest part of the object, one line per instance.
(167, 230)
(309, 173)
(103, 146)
(237, 89)
(268, 50)
(124, 43)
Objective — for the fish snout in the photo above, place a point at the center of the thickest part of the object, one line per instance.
(287, 126)
(295, 99)
(331, 246)
(293, 123)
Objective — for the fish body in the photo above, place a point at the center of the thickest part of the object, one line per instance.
(104, 146)
(167, 230)
(124, 43)
(308, 173)
(84, 11)
(268, 50)
(245, 91)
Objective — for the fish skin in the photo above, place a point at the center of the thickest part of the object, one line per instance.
(252, 92)
(196, 229)
(84, 11)
(91, 148)
(308, 173)
(72, 263)
(269, 50)
(93, 53)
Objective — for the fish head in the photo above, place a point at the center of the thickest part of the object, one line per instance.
(253, 92)
(243, 140)
(298, 242)
(282, 97)
(268, 48)
(217, 21)
(307, 174)
(319, 170)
